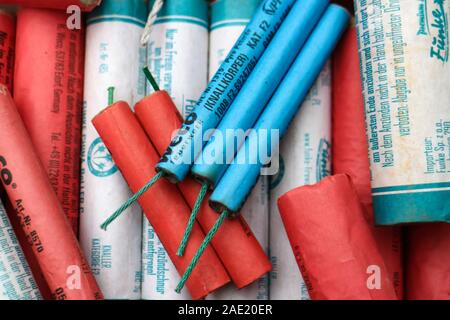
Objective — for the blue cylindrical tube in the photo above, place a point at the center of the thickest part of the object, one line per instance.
(223, 88)
(258, 89)
(228, 19)
(239, 179)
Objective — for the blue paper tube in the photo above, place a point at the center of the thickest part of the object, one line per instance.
(258, 89)
(223, 88)
(405, 77)
(241, 176)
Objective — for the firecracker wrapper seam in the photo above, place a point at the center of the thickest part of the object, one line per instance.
(349, 149)
(332, 242)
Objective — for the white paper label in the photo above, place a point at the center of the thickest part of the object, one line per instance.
(16, 279)
(113, 59)
(404, 49)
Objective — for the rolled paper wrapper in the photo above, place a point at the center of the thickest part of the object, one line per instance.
(114, 61)
(48, 91)
(16, 279)
(163, 204)
(228, 21)
(305, 158)
(349, 129)
(177, 54)
(428, 262)
(407, 110)
(8, 35)
(263, 141)
(223, 88)
(235, 243)
(178, 51)
(350, 148)
(85, 5)
(26, 248)
(256, 212)
(7, 47)
(42, 218)
(332, 242)
(257, 91)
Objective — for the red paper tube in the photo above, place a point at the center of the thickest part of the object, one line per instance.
(428, 262)
(236, 245)
(41, 216)
(332, 242)
(48, 91)
(7, 40)
(85, 5)
(27, 250)
(350, 149)
(163, 204)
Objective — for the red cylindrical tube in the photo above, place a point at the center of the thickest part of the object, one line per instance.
(27, 250)
(332, 242)
(47, 229)
(350, 147)
(163, 204)
(428, 262)
(7, 44)
(85, 5)
(48, 91)
(235, 243)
